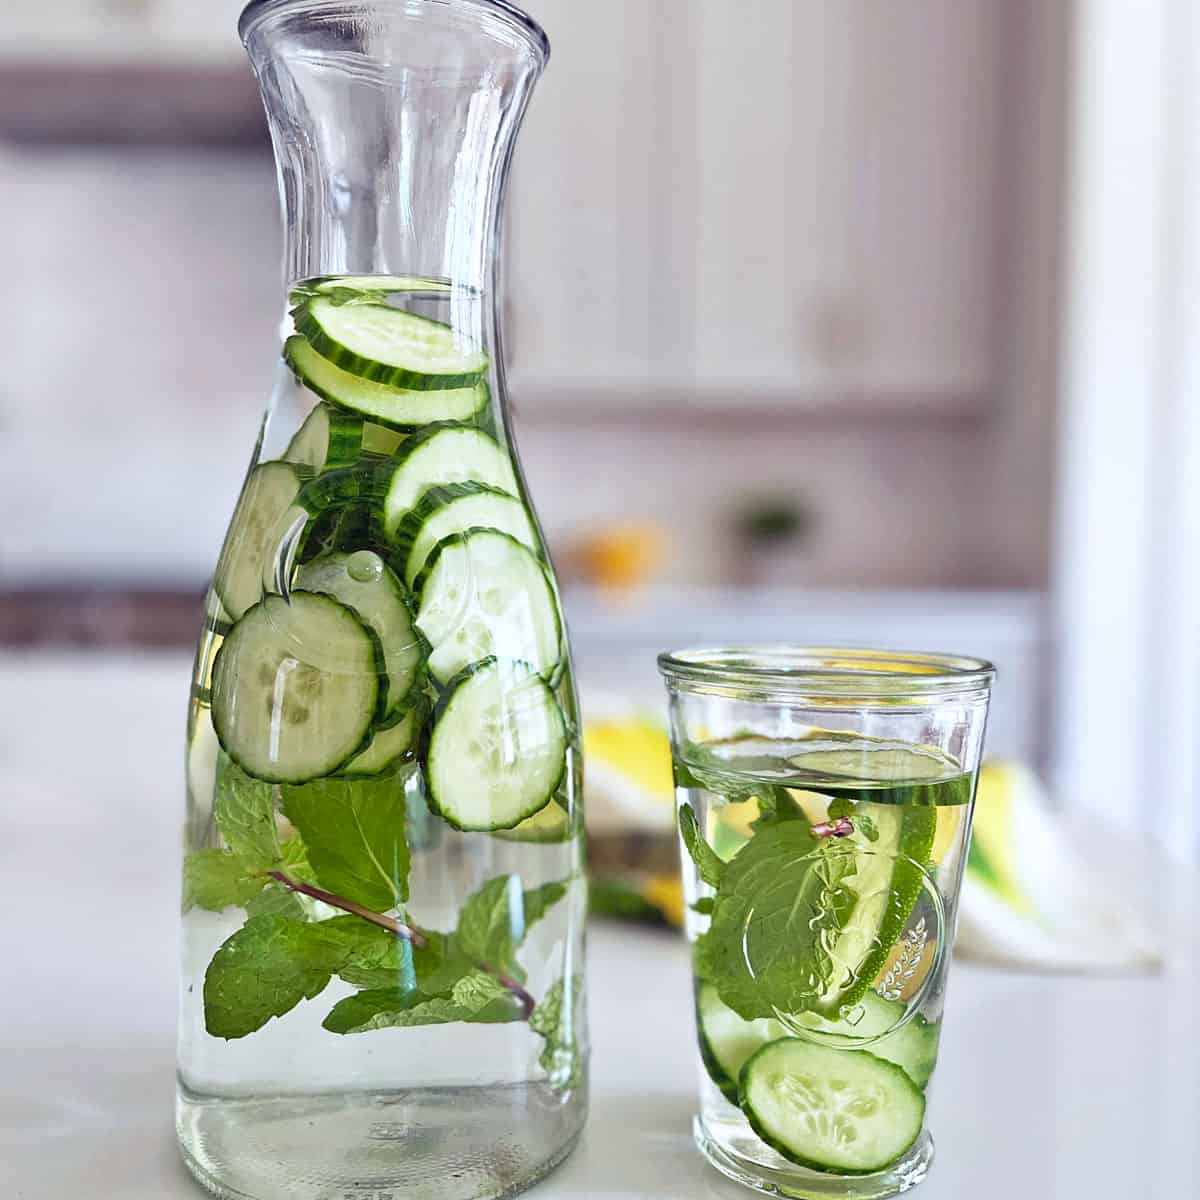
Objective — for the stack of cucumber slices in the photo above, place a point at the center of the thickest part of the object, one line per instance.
(384, 585)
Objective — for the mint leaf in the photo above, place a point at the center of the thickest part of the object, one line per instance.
(262, 971)
(494, 920)
(217, 879)
(377, 960)
(476, 998)
(702, 854)
(245, 813)
(776, 804)
(781, 905)
(703, 957)
(277, 899)
(354, 832)
(554, 1020)
(705, 905)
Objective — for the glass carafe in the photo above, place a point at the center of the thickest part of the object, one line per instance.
(382, 987)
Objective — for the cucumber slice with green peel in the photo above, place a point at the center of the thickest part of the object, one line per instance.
(445, 511)
(379, 439)
(498, 748)
(336, 530)
(389, 743)
(484, 595)
(365, 483)
(390, 346)
(444, 455)
(886, 882)
(372, 286)
(295, 688)
(328, 438)
(726, 1041)
(363, 582)
(875, 1024)
(266, 510)
(847, 1112)
(384, 403)
(551, 824)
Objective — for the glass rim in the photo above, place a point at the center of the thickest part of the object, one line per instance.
(804, 670)
(257, 11)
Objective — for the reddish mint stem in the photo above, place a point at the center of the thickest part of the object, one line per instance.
(407, 932)
(841, 827)
(389, 923)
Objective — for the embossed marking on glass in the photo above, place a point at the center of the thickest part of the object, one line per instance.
(382, 985)
(824, 804)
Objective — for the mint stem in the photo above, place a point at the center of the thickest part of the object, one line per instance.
(840, 827)
(389, 923)
(415, 936)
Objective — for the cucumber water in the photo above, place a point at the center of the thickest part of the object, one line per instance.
(383, 872)
(820, 871)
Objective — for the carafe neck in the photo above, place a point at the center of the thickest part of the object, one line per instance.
(393, 124)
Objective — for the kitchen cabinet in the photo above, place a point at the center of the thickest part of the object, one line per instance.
(793, 203)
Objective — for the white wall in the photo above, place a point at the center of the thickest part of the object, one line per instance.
(1128, 564)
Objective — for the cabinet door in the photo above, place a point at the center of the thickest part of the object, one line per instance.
(768, 135)
(596, 250)
(923, 211)
(846, 202)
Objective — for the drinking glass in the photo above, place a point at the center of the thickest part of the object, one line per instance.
(824, 802)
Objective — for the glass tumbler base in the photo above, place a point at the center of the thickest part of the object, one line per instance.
(800, 1183)
(471, 1143)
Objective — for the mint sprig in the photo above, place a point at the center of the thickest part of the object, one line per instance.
(410, 976)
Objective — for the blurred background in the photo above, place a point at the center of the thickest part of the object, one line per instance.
(849, 322)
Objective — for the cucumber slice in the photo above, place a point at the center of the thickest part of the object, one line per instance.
(454, 509)
(265, 511)
(726, 1041)
(550, 824)
(447, 454)
(390, 346)
(485, 595)
(498, 748)
(371, 285)
(379, 439)
(872, 1025)
(886, 883)
(328, 438)
(396, 407)
(335, 530)
(363, 583)
(843, 1111)
(388, 744)
(295, 688)
(913, 1047)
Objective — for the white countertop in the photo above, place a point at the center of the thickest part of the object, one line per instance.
(1048, 1088)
